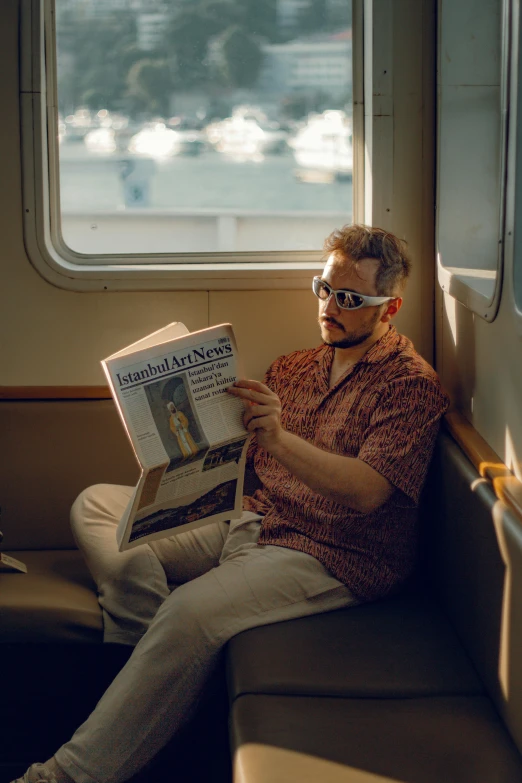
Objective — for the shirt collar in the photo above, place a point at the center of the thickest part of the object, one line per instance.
(383, 347)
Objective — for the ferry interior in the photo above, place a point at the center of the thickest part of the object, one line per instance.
(185, 161)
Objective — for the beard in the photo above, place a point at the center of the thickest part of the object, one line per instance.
(350, 341)
(355, 336)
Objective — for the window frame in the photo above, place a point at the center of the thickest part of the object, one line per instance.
(41, 203)
(513, 205)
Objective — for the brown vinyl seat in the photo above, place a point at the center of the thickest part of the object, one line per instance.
(398, 647)
(55, 601)
(306, 739)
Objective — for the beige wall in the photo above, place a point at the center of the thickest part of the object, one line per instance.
(52, 336)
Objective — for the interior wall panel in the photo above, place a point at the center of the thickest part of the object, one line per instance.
(480, 365)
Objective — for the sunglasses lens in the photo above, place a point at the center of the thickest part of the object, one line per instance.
(321, 289)
(349, 301)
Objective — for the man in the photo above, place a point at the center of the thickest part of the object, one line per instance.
(343, 438)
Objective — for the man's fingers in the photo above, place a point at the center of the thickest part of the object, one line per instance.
(255, 411)
(244, 383)
(263, 407)
(258, 423)
(250, 395)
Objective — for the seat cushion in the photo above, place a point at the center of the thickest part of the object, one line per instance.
(458, 739)
(55, 601)
(402, 646)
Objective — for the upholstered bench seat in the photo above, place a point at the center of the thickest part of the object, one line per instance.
(454, 739)
(380, 692)
(55, 601)
(402, 646)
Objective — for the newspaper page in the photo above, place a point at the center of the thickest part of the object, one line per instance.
(186, 431)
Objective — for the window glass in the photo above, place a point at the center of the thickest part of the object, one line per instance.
(203, 126)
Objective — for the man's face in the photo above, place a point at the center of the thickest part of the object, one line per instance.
(344, 328)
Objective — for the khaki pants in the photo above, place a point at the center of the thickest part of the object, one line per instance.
(179, 600)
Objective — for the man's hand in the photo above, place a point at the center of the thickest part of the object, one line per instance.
(346, 480)
(262, 411)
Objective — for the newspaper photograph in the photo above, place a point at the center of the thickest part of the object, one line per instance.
(186, 431)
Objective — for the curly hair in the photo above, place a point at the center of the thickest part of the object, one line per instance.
(353, 243)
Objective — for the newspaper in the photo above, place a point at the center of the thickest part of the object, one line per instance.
(186, 431)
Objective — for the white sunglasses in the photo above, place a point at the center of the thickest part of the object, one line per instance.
(346, 300)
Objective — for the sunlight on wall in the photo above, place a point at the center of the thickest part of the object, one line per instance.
(510, 457)
(450, 305)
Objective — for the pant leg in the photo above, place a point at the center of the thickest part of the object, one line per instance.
(194, 552)
(133, 584)
(149, 699)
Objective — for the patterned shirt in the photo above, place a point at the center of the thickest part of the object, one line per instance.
(385, 410)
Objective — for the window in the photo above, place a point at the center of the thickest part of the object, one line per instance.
(473, 108)
(189, 132)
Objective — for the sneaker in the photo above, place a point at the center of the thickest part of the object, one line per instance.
(37, 773)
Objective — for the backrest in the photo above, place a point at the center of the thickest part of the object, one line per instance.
(477, 555)
(51, 450)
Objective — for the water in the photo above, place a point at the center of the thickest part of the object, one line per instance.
(211, 181)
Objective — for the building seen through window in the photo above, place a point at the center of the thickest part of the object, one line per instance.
(202, 126)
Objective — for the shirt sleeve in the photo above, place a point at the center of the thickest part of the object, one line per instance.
(399, 440)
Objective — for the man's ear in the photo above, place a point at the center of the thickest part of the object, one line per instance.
(392, 309)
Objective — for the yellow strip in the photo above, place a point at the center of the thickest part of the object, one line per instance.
(505, 484)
